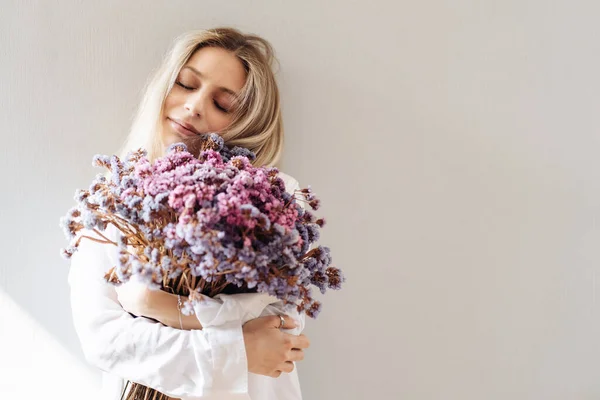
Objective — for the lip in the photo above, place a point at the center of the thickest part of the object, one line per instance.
(183, 128)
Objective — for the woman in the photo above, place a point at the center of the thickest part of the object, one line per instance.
(217, 80)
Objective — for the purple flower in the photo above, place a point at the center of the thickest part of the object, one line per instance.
(68, 252)
(176, 147)
(314, 309)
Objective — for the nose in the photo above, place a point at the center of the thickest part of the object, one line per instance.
(194, 104)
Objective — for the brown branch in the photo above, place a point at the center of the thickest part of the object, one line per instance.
(104, 237)
(93, 239)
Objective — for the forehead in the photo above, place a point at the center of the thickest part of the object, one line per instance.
(218, 67)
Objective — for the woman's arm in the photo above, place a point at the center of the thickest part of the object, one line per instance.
(137, 299)
(175, 362)
(214, 361)
(258, 310)
(162, 306)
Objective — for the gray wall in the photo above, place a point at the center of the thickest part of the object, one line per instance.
(453, 144)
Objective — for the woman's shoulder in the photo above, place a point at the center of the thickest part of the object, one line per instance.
(291, 183)
(285, 176)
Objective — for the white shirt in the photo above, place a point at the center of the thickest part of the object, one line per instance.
(196, 364)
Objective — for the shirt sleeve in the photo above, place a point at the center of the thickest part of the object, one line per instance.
(291, 186)
(175, 362)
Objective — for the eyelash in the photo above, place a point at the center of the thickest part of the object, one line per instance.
(216, 104)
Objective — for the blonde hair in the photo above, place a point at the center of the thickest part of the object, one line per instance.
(257, 123)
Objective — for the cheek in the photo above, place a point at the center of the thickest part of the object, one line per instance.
(170, 102)
(220, 121)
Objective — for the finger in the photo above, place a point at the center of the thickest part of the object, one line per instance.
(287, 367)
(295, 355)
(300, 342)
(288, 322)
(275, 374)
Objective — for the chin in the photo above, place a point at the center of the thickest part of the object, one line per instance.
(169, 136)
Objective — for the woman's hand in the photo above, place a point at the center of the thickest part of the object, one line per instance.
(269, 350)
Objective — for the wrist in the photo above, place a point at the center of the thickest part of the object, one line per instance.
(160, 306)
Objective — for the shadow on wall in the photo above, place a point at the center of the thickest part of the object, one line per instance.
(34, 365)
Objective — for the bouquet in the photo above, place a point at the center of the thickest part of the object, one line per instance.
(200, 226)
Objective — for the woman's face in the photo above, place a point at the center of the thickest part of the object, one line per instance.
(202, 97)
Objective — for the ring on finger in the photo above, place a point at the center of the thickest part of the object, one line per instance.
(281, 322)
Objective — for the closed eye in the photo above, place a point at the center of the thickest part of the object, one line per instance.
(223, 109)
(183, 86)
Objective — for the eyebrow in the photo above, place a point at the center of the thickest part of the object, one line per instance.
(221, 88)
